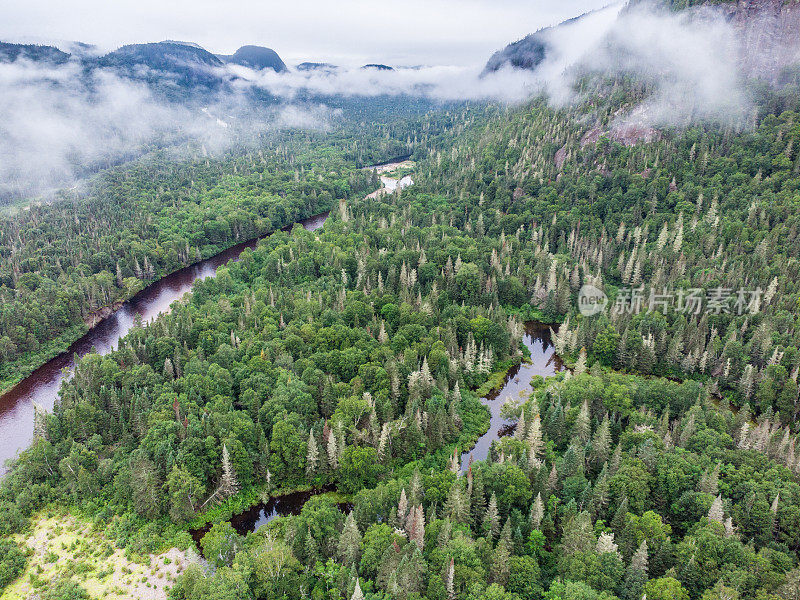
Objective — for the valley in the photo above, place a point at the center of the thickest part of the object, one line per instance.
(524, 329)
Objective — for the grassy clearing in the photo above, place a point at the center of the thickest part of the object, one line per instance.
(65, 546)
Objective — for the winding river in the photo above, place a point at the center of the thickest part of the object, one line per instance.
(41, 386)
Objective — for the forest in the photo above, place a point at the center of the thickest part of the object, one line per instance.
(67, 263)
(662, 464)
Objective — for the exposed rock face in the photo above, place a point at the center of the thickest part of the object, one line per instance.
(770, 34)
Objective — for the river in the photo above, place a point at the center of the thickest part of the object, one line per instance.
(544, 362)
(41, 386)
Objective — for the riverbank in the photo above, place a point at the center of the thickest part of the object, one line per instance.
(65, 342)
(254, 508)
(393, 176)
(42, 385)
(513, 383)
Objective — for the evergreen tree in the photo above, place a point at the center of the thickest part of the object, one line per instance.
(349, 541)
(635, 575)
(491, 519)
(228, 485)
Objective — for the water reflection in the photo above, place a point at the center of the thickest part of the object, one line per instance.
(544, 362)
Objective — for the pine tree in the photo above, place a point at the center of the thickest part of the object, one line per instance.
(521, 429)
(578, 535)
(311, 549)
(455, 506)
(600, 493)
(580, 364)
(416, 486)
(333, 452)
(357, 593)
(717, 512)
(582, 427)
(620, 520)
(384, 439)
(605, 543)
(709, 482)
(616, 459)
(537, 511)
(636, 575)
(601, 443)
(417, 532)
(500, 563)
(39, 422)
(402, 506)
(449, 582)
(491, 519)
(444, 534)
(535, 440)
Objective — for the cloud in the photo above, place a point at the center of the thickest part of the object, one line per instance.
(59, 124)
(345, 31)
(691, 60)
(445, 83)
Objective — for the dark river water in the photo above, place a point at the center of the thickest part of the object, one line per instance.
(16, 405)
(261, 514)
(544, 362)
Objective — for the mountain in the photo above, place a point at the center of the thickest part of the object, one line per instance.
(315, 66)
(769, 33)
(175, 62)
(378, 67)
(258, 58)
(527, 53)
(49, 54)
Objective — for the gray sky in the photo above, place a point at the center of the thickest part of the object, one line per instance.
(404, 32)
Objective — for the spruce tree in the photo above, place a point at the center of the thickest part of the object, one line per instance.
(491, 519)
(635, 575)
(349, 541)
(228, 485)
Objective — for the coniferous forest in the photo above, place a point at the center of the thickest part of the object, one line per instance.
(349, 363)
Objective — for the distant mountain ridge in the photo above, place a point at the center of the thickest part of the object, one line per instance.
(258, 58)
(186, 65)
(37, 53)
(529, 52)
(768, 33)
(316, 66)
(186, 62)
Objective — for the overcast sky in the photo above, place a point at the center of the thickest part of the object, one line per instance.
(401, 32)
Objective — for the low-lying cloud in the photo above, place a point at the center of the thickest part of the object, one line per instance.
(58, 123)
(692, 61)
